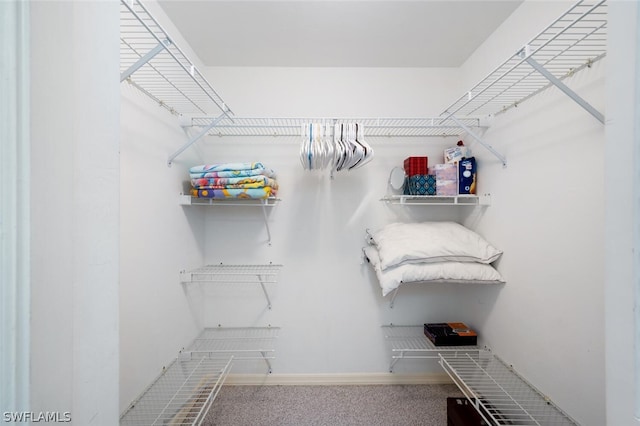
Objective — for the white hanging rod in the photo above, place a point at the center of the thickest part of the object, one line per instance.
(575, 40)
(373, 127)
(151, 59)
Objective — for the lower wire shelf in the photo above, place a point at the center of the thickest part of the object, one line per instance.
(499, 394)
(187, 388)
(181, 395)
(409, 342)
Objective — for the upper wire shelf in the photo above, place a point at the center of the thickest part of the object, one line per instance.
(153, 63)
(373, 127)
(575, 40)
(439, 200)
(188, 200)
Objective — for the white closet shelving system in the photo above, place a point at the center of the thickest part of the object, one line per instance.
(152, 62)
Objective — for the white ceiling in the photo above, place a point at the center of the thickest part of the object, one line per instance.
(336, 33)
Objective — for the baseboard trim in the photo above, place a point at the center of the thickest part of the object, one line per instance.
(338, 379)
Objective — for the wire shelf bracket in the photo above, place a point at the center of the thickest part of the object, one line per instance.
(525, 53)
(480, 140)
(144, 59)
(195, 138)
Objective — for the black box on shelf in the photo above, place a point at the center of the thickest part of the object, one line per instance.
(450, 334)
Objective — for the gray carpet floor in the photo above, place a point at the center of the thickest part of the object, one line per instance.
(379, 405)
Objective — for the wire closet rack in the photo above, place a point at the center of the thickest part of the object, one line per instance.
(498, 393)
(574, 41)
(409, 342)
(374, 127)
(235, 274)
(152, 62)
(186, 389)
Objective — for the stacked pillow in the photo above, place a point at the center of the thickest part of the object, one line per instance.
(431, 251)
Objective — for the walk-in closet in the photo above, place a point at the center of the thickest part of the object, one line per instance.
(273, 193)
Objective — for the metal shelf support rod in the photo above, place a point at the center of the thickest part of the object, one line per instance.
(395, 360)
(560, 85)
(265, 291)
(499, 156)
(266, 225)
(393, 297)
(196, 138)
(144, 59)
(266, 359)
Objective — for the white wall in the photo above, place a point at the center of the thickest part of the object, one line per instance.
(158, 239)
(335, 92)
(621, 214)
(74, 217)
(547, 215)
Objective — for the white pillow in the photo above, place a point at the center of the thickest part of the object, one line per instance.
(445, 272)
(400, 243)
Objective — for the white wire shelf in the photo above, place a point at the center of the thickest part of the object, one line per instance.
(188, 200)
(499, 394)
(373, 127)
(181, 395)
(187, 388)
(154, 64)
(577, 39)
(439, 200)
(266, 273)
(409, 342)
(240, 341)
(235, 274)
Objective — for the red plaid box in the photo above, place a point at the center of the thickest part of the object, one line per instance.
(416, 166)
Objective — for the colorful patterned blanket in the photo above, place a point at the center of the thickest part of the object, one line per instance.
(225, 167)
(233, 180)
(254, 193)
(258, 181)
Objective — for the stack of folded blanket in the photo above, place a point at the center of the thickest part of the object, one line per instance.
(233, 180)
